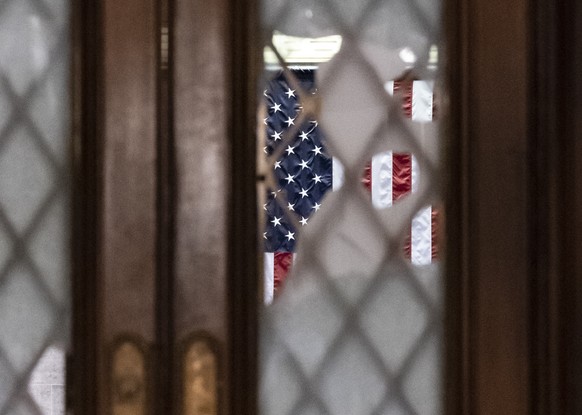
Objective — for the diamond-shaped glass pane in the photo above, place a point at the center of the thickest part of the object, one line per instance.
(31, 319)
(352, 382)
(354, 311)
(7, 382)
(393, 319)
(309, 322)
(28, 38)
(49, 249)
(34, 207)
(26, 180)
(423, 386)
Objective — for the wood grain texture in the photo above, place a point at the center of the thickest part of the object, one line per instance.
(489, 313)
(201, 105)
(127, 243)
(129, 169)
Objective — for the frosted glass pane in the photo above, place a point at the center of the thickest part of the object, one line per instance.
(26, 180)
(30, 319)
(47, 383)
(353, 319)
(34, 205)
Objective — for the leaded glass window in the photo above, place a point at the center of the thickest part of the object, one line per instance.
(351, 208)
(34, 205)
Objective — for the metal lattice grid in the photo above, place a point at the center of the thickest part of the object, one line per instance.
(358, 327)
(34, 192)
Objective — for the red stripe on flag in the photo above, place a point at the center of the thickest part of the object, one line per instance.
(367, 177)
(282, 265)
(434, 233)
(401, 175)
(402, 184)
(405, 89)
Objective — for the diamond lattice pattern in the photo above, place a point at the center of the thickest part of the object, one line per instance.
(34, 204)
(357, 328)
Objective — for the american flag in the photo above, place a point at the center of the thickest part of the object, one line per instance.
(306, 172)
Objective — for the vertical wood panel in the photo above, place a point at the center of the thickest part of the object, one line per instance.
(201, 116)
(499, 269)
(129, 170)
(201, 102)
(489, 252)
(569, 205)
(128, 232)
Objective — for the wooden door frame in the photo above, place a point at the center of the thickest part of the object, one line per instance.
(537, 284)
(244, 266)
(544, 290)
(556, 208)
(81, 393)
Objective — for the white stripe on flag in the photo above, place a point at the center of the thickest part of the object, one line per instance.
(381, 175)
(269, 269)
(414, 175)
(389, 87)
(422, 101)
(421, 227)
(337, 170)
(421, 237)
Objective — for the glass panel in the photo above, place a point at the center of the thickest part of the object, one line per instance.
(34, 205)
(352, 287)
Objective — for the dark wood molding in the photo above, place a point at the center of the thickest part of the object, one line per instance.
(244, 49)
(558, 117)
(555, 207)
(488, 273)
(166, 379)
(543, 184)
(458, 313)
(86, 202)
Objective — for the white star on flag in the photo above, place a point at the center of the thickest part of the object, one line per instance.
(304, 164)
(290, 121)
(276, 107)
(303, 193)
(276, 221)
(317, 178)
(277, 165)
(316, 150)
(290, 92)
(303, 136)
(276, 136)
(290, 178)
(316, 206)
(303, 221)
(290, 150)
(290, 235)
(290, 206)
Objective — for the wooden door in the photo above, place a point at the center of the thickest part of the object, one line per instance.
(166, 276)
(155, 259)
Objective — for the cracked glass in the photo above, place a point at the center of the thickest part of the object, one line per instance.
(34, 205)
(349, 148)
